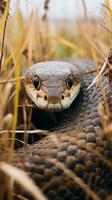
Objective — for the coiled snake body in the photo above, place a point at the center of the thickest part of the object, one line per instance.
(77, 145)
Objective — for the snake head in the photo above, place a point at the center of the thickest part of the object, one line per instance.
(52, 85)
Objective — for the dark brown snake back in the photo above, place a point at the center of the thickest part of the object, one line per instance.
(73, 144)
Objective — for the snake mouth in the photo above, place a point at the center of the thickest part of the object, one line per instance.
(53, 105)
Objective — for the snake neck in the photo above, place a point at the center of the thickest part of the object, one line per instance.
(83, 114)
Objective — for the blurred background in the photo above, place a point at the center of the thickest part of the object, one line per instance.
(64, 10)
(57, 29)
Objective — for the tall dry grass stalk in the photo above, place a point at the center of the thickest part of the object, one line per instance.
(2, 6)
(85, 9)
(4, 10)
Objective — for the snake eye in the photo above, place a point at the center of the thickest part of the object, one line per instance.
(69, 82)
(37, 82)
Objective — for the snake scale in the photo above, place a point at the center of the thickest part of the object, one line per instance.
(71, 146)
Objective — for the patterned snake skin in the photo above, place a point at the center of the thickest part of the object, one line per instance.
(73, 152)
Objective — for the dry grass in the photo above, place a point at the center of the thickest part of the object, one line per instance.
(37, 40)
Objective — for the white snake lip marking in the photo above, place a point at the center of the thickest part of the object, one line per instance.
(53, 93)
(56, 106)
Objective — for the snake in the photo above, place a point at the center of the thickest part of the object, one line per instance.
(72, 161)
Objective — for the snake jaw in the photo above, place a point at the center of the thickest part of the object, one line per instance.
(68, 99)
(56, 106)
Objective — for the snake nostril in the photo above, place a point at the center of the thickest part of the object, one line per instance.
(62, 96)
(45, 97)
